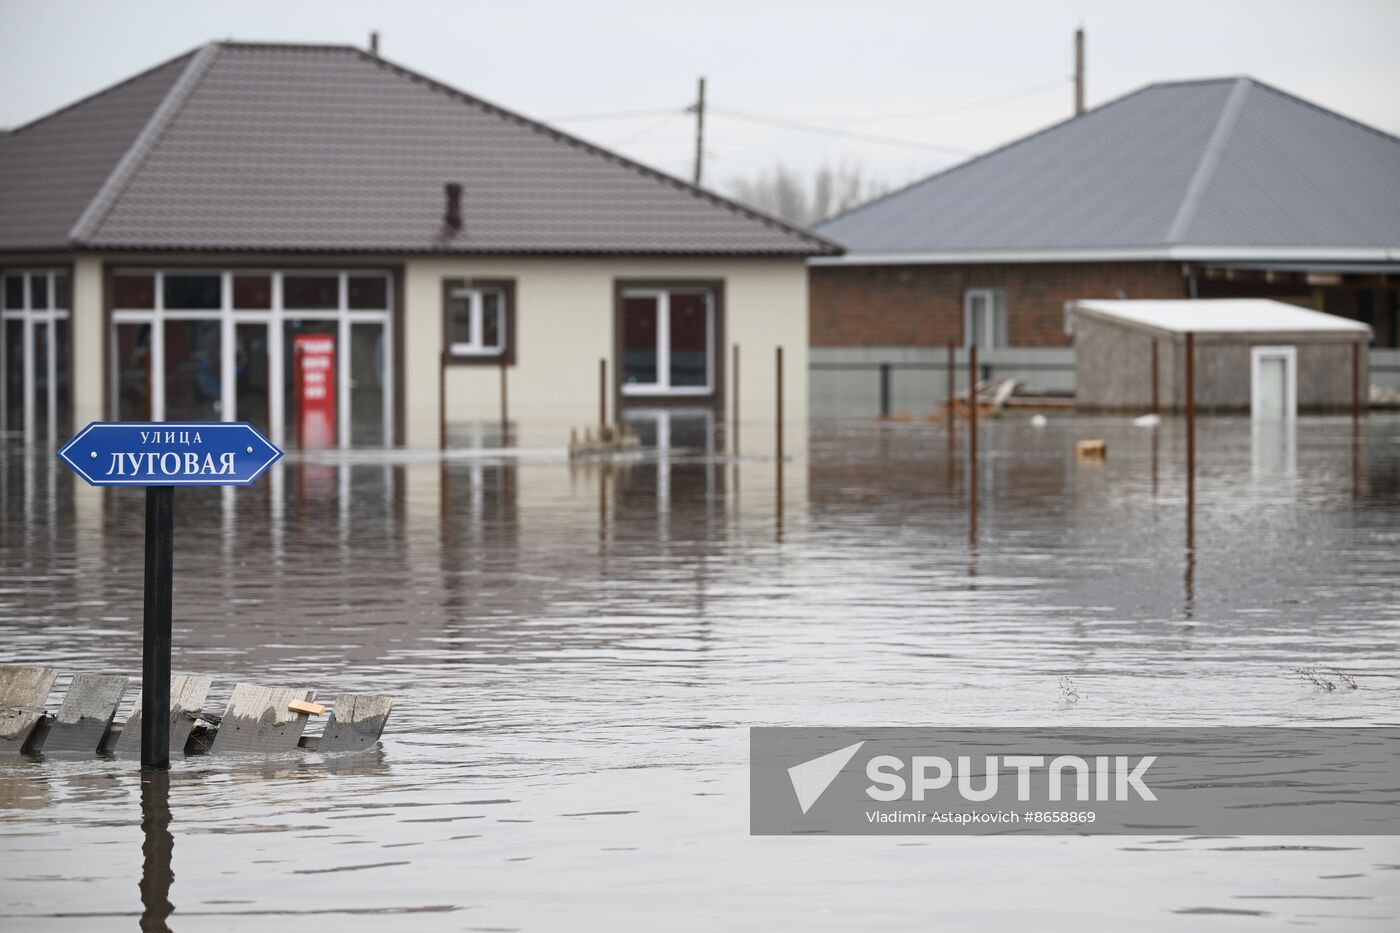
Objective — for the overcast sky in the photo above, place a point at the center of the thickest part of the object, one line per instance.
(949, 78)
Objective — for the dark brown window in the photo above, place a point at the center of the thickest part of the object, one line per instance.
(136, 290)
(367, 292)
(191, 292)
(252, 292)
(311, 292)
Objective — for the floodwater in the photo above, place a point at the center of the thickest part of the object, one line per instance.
(577, 652)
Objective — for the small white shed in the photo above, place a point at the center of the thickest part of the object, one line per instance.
(1267, 357)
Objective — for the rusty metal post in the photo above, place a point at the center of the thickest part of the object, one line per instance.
(505, 420)
(952, 388)
(1155, 408)
(602, 393)
(779, 362)
(734, 418)
(1356, 382)
(778, 515)
(1190, 407)
(972, 438)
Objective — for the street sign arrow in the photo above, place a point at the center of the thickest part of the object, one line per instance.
(166, 453)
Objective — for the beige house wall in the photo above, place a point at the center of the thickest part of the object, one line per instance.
(564, 325)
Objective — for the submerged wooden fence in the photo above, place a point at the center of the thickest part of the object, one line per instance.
(258, 720)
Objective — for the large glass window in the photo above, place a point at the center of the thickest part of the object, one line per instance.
(311, 376)
(131, 351)
(251, 385)
(230, 345)
(668, 338)
(311, 292)
(639, 350)
(252, 292)
(35, 346)
(193, 292)
(193, 390)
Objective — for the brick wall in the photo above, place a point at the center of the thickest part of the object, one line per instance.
(922, 306)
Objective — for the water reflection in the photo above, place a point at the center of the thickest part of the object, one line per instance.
(577, 649)
(157, 852)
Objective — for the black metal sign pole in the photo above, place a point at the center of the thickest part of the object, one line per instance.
(155, 633)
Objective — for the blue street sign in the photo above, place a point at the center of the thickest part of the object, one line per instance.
(167, 453)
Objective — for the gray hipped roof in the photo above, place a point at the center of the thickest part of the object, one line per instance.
(1220, 164)
(244, 146)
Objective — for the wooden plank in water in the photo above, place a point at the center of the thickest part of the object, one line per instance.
(357, 720)
(23, 691)
(258, 720)
(86, 714)
(187, 695)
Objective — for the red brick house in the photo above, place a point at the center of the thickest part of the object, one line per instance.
(1216, 188)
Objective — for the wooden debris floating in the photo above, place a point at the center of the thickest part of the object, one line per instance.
(991, 397)
(1090, 450)
(610, 440)
(257, 720)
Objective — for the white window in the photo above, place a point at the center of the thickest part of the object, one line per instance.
(667, 342)
(476, 322)
(35, 348)
(1274, 383)
(230, 345)
(984, 318)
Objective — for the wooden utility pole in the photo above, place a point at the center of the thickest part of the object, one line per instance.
(699, 109)
(1079, 71)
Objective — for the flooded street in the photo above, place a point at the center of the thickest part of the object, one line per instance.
(577, 652)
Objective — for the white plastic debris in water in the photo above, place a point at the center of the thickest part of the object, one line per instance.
(1038, 421)
(1147, 421)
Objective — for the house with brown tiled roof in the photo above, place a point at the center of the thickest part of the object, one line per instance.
(342, 251)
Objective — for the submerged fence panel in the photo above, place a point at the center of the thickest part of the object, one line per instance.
(861, 382)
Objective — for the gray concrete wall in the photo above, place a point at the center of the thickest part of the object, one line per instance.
(1113, 366)
(845, 381)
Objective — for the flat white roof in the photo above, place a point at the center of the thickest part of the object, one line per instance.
(1223, 316)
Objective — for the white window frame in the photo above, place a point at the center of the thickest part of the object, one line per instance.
(32, 318)
(476, 309)
(989, 295)
(274, 318)
(1289, 355)
(663, 386)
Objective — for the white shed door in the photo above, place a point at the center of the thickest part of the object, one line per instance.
(1274, 383)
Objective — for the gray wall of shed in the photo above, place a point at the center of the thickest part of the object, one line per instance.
(1114, 366)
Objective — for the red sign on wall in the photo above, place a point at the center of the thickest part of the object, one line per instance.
(313, 369)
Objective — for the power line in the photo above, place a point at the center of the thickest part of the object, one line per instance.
(615, 115)
(783, 123)
(960, 108)
(649, 130)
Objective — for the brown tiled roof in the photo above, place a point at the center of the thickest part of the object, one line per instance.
(242, 146)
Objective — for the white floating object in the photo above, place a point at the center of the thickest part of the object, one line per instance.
(1147, 421)
(1038, 421)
